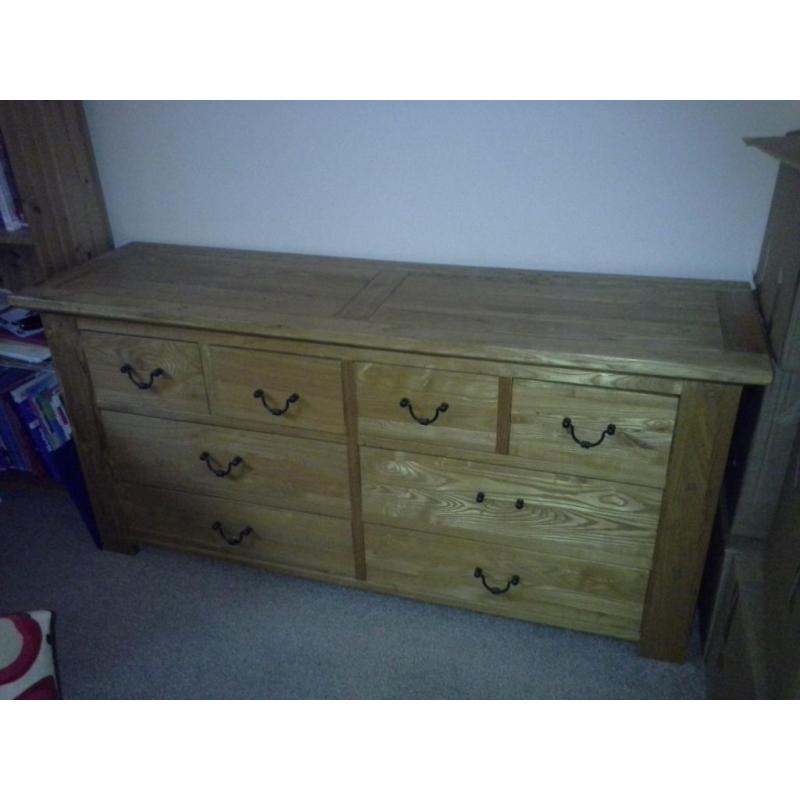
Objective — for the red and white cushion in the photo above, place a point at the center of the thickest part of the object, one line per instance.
(27, 666)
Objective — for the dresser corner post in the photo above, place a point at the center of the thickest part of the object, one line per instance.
(350, 397)
(706, 416)
(64, 342)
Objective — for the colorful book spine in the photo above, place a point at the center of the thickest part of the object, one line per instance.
(32, 421)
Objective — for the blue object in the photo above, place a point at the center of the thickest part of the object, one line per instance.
(69, 467)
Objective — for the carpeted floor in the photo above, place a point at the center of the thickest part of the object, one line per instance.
(164, 625)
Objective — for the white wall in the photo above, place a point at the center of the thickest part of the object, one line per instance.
(644, 188)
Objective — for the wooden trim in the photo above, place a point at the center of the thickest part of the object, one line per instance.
(706, 415)
(583, 377)
(504, 393)
(73, 371)
(350, 398)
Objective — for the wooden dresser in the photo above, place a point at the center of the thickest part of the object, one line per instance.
(544, 446)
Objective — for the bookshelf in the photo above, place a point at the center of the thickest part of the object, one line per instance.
(49, 152)
(16, 238)
(51, 156)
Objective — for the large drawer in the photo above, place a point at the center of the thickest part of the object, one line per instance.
(245, 530)
(544, 511)
(159, 374)
(287, 391)
(433, 406)
(558, 591)
(282, 471)
(548, 418)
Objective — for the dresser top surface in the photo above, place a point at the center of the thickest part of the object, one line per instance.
(703, 330)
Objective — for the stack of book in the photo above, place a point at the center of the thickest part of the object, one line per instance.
(35, 432)
(33, 422)
(22, 341)
(12, 217)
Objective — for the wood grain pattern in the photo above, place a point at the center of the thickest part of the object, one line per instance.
(706, 414)
(637, 452)
(469, 422)
(556, 591)
(364, 304)
(583, 377)
(288, 538)
(90, 441)
(235, 374)
(650, 326)
(181, 388)
(778, 275)
(53, 163)
(783, 587)
(279, 471)
(562, 515)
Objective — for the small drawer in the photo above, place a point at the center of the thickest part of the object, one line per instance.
(604, 433)
(281, 471)
(454, 409)
(507, 581)
(543, 511)
(144, 375)
(271, 388)
(244, 530)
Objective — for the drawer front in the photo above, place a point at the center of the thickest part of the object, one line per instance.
(180, 387)
(547, 418)
(557, 591)
(261, 534)
(284, 390)
(281, 471)
(543, 511)
(456, 409)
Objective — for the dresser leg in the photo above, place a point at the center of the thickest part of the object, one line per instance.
(64, 341)
(706, 414)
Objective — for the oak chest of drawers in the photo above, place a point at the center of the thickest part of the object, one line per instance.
(543, 446)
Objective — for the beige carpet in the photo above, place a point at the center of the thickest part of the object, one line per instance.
(166, 625)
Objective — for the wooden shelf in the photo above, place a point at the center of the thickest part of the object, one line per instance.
(5, 361)
(20, 238)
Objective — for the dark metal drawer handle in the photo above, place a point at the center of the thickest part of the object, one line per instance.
(609, 431)
(292, 398)
(220, 473)
(127, 369)
(406, 403)
(518, 503)
(496, 589)
(217, 526)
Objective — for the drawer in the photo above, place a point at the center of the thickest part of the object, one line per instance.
(557, 591)
(178, 387)
(282, 471)
(272, 388)
(257, 533)
(548, 418)
(456, 409)
(544, 511)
